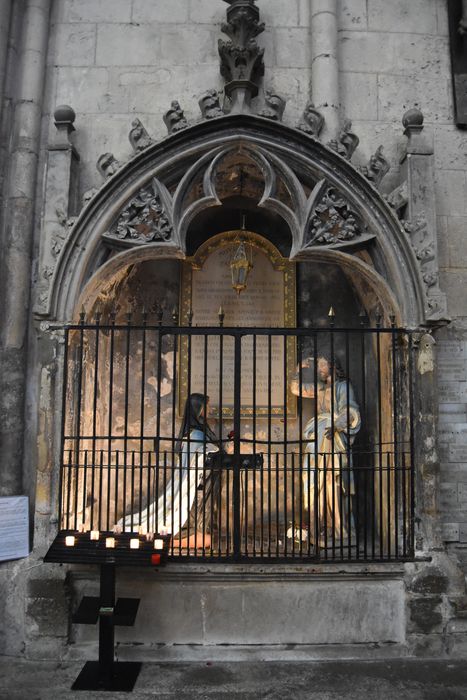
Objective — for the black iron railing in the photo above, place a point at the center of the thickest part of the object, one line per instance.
(306, 452)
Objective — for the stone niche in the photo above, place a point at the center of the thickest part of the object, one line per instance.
(304, 293)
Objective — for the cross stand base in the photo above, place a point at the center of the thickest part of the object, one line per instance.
(107, 674)
(123, 676)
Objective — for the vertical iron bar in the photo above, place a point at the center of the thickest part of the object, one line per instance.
(221, 415)
(340, 496)
(99, 505)
(141, 419)
(293, 503)
(110, 417)
(205, 391)
(316, 474)
(237, 416)
(350, 474)
(254, 452)
(132, 491)
(380, 439)
(395, 392)
(61, 485)
(78, 425)
(388, 501)
(261, 484)
(173, 446)
(69, 478)
(150, 526)
(284, 477)
(366, 492)
(325, 504)
(117, 467)
(404, 505)
(85, 473)
(269, 442)
(277, 503)
(188, 466)
(94, 418)
(245, 501)
(126, 416)
(157, 441)
(300, 460)
(412, 446)
(373, 504)
(333, 445)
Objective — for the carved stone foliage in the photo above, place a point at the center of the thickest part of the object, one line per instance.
(50, 252)
(398, 198)
(425, 251)
(144, 219)
(275, 106)
(346, 141)
(242, 63)
(174, 118)
(312, 121)
(209, 105)
(333, 223)
(139, 137)
(376, 168)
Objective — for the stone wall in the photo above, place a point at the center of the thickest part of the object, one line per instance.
(114, 60)
(394, 55)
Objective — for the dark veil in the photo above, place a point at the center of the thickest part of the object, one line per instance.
(194, 418)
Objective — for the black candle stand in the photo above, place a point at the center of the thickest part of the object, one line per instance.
(106, 673)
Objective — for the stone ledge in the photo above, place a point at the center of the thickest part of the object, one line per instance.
(218, 572)
(243, 652)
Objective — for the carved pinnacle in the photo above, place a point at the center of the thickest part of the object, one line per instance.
(242, 63)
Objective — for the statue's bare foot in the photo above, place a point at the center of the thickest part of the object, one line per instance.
(193, 542)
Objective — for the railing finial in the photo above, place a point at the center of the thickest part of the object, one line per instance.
(221, 315)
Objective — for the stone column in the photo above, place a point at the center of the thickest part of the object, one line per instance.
(18, 237)
(324, 64)
(417, 166)
(5, 16)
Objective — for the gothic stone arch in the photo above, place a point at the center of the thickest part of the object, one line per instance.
(149, 203)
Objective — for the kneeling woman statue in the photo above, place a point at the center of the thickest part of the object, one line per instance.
(183, 505)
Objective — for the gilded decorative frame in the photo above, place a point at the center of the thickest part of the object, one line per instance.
(289, 320)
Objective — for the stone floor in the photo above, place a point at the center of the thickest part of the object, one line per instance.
(372, 680)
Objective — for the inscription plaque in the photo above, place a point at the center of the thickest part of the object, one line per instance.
(14, 527)
(267, 302)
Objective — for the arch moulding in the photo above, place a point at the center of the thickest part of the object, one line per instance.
(146, 207)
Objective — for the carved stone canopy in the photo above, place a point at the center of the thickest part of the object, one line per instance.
(317, 213)
(322, 200)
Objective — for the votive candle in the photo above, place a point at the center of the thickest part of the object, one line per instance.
(110, 542)
(158, 544)
(70, 541)
(134, 544)
(94, 535)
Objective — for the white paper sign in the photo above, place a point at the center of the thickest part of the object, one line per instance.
(14, 527)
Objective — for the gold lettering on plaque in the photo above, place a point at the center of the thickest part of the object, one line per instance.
(267, 363)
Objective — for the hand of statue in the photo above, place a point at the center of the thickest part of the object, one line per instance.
(340, 423)
(305, 363)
